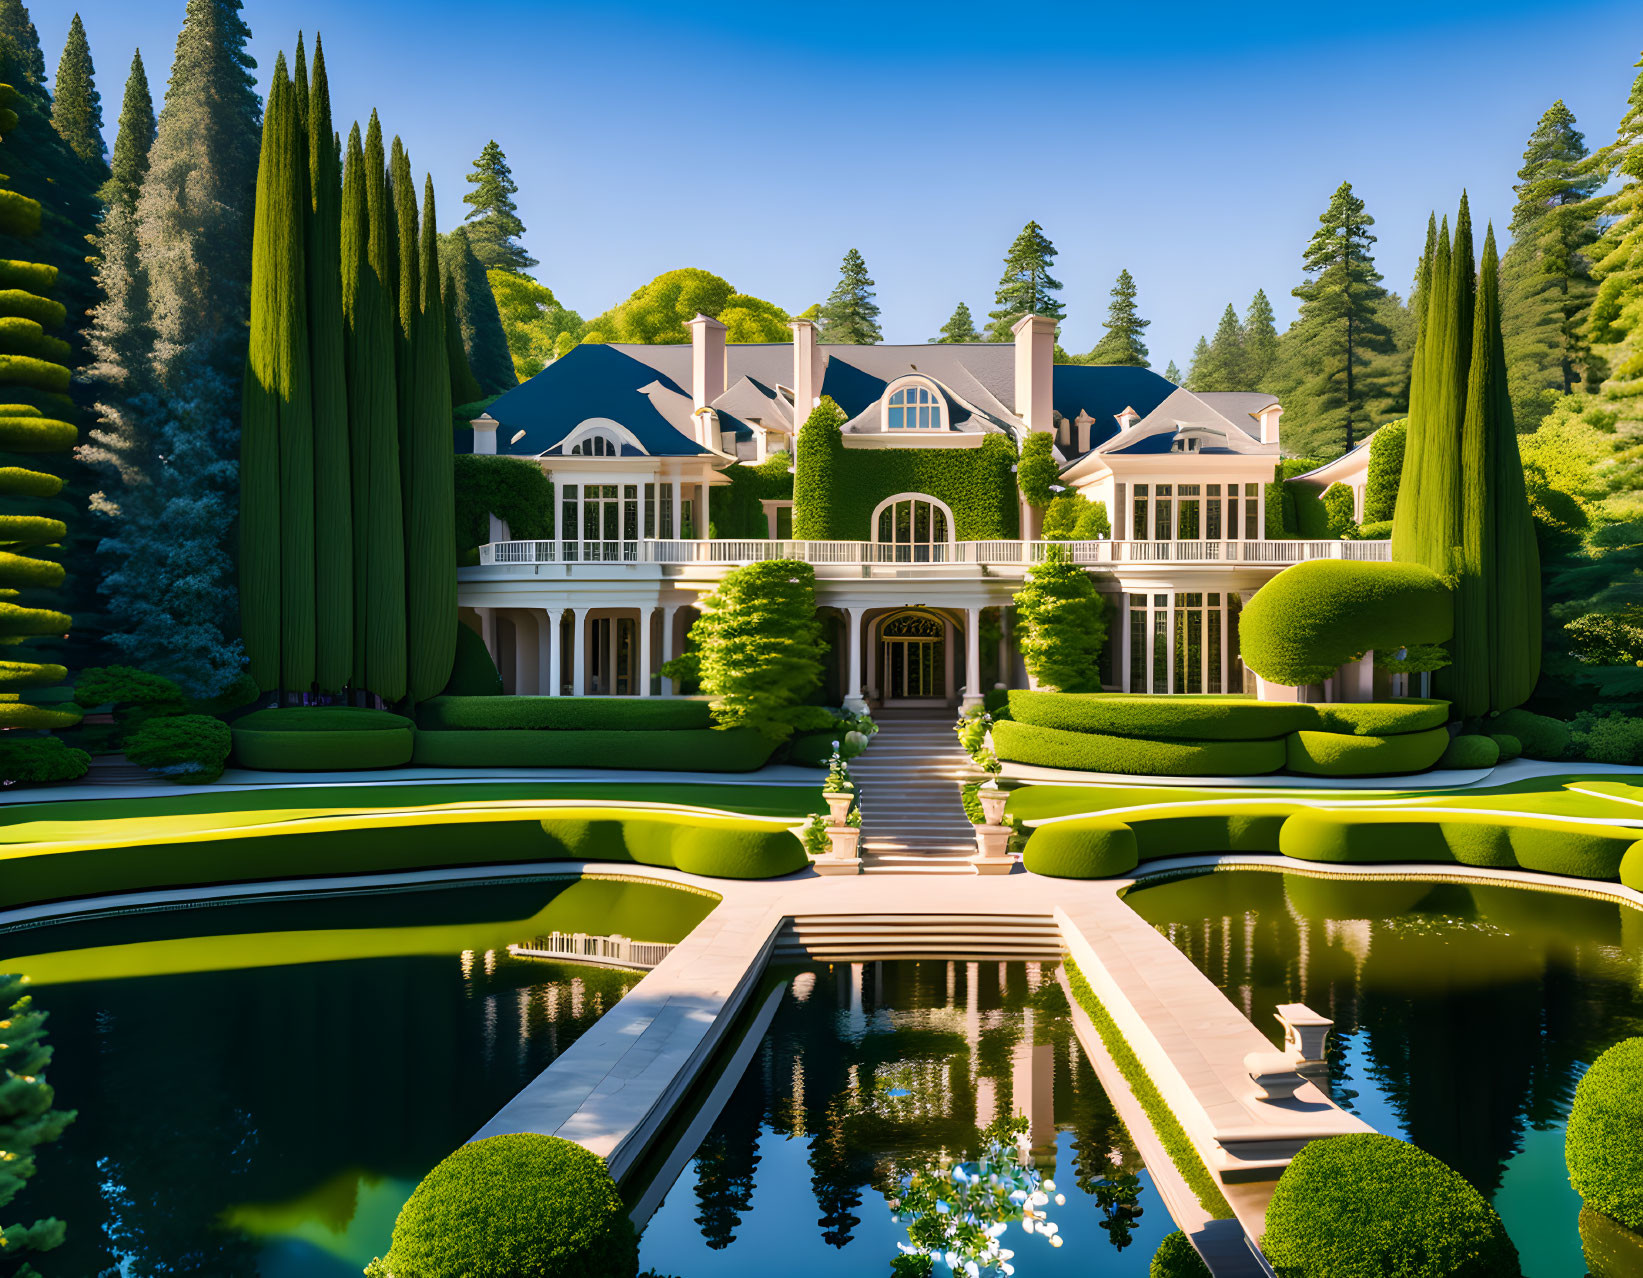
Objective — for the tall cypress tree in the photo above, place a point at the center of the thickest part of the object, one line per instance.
(408, 298)
(850, 315)
(1122, 342)
(1546, 284)
(1026, 287)
(76, 109)
(1260, 343)
(333, 492)
(277, 425)
(960, 327)
(1420, 528)
(483, 337)
(464, 386)
(1222, 368)
(430, 484)
(493, 225)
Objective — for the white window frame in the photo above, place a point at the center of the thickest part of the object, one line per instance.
(937, 406)
(939, 551)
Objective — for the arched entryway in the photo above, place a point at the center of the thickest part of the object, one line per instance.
(913, 649)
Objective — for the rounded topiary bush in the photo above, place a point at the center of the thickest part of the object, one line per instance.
(1510, 747)
(1365, 1206)
(1541, 736)
(322, 738)
(1470, 751)
(1604, 1142)
(1177, 1258)
(1335, 754)
(516, 1206)
(1088, 848)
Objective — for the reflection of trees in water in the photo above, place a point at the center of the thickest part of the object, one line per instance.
(1479, 1006)
(204, 1091)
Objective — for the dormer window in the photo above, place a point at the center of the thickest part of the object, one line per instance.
(1186, 444)
(913, 408)
(595, 446)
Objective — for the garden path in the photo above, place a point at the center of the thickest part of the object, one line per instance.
(912, 816)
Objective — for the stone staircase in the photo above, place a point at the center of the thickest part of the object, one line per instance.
(913, 819)
(864, 937)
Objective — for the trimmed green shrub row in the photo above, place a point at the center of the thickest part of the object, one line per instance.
(1333, 754)
(342, 719)
(1096, 752)
(699, 750)
(1631, 867)
(35, 759)
(1219, 718)
(723, 848)
(555, 714)
(322, 739)
(1470, 751)
(1541, 736)
(1603, 1145)
(521, 1203)
(1368, 1205)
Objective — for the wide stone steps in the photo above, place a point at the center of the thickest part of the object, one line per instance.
(913, 821)
(951, 936)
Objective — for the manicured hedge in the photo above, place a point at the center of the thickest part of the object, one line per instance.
(699, 750)
(322, 739)
(1603, 1145)
(189, 749)
(1219, 718)
(1368, 1205)
(1176, 1257)
(1313, 618)
(1470, 751)
(1093, 848)
(1542, 736)
(473, 674)
(1334, 754)
(1095, 752)
(40, 759)
(1509, 746)
(513, 1205)
(1631, 867)
(720, 847)
(614, 714)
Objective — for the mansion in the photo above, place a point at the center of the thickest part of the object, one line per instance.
(928, 538)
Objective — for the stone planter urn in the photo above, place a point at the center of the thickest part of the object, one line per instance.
(992, 802)
(838, 805)
(992, 849)
(841, 855)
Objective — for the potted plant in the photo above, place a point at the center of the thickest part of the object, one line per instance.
(838, 790)
(992, 797)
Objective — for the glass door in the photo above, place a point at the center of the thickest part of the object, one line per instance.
(915, 659)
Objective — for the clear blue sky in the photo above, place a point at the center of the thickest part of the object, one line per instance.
(1194, 144)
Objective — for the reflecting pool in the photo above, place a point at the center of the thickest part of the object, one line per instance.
(260, 1086)
(871, 1081)
(1464, 1014)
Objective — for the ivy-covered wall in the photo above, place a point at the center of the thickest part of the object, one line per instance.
(738, 510)
(835, 489)
(511, 488)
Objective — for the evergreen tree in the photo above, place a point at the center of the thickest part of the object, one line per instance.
(1200, 353)
(960, 327)
(1546, 284)
(1334, 393)
(76, 109)
(129, 164)
(1222, 368)
(493, 226)
(430, 484)
(1122, 342)
(327, 345)
(28, 62)
(1617, 312)
(1172, 373)
(1026, 288)
(850, 315)
(1063, 625)
(483, 338)
(27, 1119)
(464, 386)
(171, 585)
(1260, 343)
(373, 434)
(276, 562)
(408, 304)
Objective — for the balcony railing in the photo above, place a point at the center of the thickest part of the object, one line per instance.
(991, 553)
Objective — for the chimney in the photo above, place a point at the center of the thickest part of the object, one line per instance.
(1127, 418)
(707, 361)
(808, 366)
(1035, 371)
(485, 434)
(1268, 418)
(1081, 431)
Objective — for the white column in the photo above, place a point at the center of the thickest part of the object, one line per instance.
(1260, 519)
(558, 498)
(578, 652)
(610, 658)
(1124, 641)
(1169, 644)
(550, 674)
(525, 640)
(1226, 657)
(853, 700)
(678, 485)
(701, 511)
(1006, 653)
(645, 615)
(668, 613)
(972, 659)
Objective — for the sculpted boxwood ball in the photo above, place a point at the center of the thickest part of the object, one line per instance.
(1604, 1142)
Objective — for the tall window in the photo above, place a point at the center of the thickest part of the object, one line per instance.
(913, 408)
(1185, 642)
(916, 529)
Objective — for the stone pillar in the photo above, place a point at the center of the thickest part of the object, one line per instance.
(677, 487)
(524, 651)
(611, 649)
(550, 676)
(972, 659)
(668, 614)
(645, 615)
(578, 652)
(853, 699)
(1124, 642)
(487, 629)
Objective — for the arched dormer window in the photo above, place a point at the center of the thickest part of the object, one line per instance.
(599, 437)
(913, 528)
(596, 446)
(914, 406)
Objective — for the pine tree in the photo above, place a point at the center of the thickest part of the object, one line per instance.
(1026, 288)
(493, 226)
(1172, 373)
(327, 345)
(850, 316)
(430, 484)
(1334, 393)
(76, 109)
(1122, 342)
(129, 163)
(373, 433)
(483, 338)
(1222, 368)
(1260, 343)
(276, 562)
(1546, 284)
(28, 69)
(960, 327)
(171, 586)
(1616, 319)
(1200, 353)
(27, 1119)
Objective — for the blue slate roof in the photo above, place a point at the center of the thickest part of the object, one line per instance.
(1104, 391)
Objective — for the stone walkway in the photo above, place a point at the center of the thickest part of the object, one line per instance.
(912, 816)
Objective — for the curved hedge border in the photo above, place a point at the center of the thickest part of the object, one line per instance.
(1334, 754)
(1603, 1144)
(322, 739)
(1099, 848)
(699, 750)
(564, 714)
(1177, 718)
(1095, 752)
(522, 1203)
(721, 848)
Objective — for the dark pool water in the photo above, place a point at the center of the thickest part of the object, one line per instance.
(261, 1086)
(1464, 1015)
(870, 1072)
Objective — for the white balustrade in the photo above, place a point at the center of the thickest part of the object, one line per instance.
(616, 951)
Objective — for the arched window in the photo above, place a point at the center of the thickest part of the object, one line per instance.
(913, 408)
(595, 446)
(914, 529)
